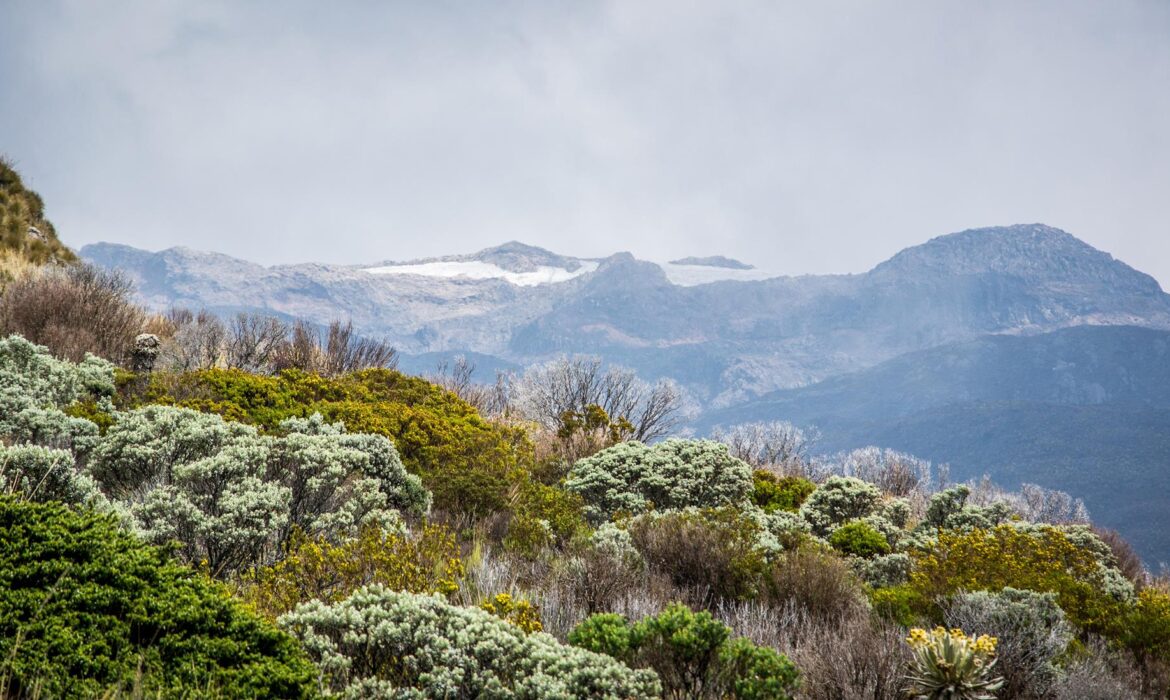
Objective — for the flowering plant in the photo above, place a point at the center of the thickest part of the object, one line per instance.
(949, 665)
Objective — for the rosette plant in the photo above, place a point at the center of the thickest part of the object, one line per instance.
(949, 665)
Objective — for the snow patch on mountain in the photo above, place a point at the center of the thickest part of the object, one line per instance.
(694, 275)
(480, 270)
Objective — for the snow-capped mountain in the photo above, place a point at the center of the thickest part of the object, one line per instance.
(726, 330)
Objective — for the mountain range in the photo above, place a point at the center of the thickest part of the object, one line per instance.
(1017, 351)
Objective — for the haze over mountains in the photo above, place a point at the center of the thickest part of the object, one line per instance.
(1018, 351)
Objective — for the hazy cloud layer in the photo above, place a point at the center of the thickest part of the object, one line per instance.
(801, 136)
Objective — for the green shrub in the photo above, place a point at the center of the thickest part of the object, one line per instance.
(773, 493)
(859, 539)
(1041, 559)
(85, 607)
(425, 561)
(469, 464)
(693, 654)
(382, 643)
(898, 604)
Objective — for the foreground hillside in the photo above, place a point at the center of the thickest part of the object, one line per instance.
(225, 533)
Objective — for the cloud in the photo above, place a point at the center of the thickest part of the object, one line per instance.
(805, 137)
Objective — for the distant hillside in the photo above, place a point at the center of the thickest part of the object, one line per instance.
(25, 233)
(1084, 409)
(728, 335)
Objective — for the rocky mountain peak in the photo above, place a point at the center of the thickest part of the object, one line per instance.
(1033, 252)
(515, 256)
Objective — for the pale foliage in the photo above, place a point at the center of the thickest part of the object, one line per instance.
(632, 477)
(382, 643)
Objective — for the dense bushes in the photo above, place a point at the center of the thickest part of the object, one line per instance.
(74, 310)
(773, 493)
(469, 464)
(232, 497)
(1031, 630)
(86, 608)
(1006, 556)
(382, 643)
(632, 478)
(426, 561)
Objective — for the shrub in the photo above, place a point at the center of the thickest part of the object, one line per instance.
(814, 580)
(948, 509)
(692, 653)
(84, 607)
(1147, 633)
(837, 501)
(773, 493)
(43, 474)
(232, 498)
(859, 539)
(516, 611)
(1043, 560)
(1031, 630)
(632, 478)
(898, 604)
(469, 464)
(74, 311)
(952, 666)
(713, 554)
(888, 570)
(396, 644)
(426, 561)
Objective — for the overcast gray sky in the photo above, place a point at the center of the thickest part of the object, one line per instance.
(800, 136)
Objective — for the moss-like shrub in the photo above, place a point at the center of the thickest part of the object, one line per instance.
(426, 561)
(85, 608)
(859, 539)
(773, 493)
(470, 465)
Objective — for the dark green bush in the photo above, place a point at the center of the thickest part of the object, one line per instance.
(693, 654)
(86, 609)
(859, 539)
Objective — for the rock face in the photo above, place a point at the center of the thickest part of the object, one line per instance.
(1019, 351)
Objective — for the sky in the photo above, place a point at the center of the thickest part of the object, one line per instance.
(803, 137)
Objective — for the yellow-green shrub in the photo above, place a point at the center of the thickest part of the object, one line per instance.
(518, 611)
(1043, 560)
(425, 562)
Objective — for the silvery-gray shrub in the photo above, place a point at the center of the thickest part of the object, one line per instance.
(232, 497)
(632, 477)
(1032, 634)
(837, 501)
(404, 645)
